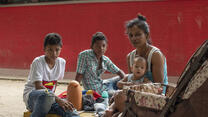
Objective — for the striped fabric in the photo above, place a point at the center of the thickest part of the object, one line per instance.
(87, 65)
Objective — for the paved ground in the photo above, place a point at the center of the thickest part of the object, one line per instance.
(21, 74)
(11, 100)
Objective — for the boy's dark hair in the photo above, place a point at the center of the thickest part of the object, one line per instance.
(141, 23)
(53, 39)
(98, 36)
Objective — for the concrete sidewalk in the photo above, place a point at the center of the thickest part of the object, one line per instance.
(22, 74)
(63, 81)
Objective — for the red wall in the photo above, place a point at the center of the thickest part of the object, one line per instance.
(177, 28)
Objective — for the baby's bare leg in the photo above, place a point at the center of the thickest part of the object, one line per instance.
(119, 100)
(109, 112)
(117, 105)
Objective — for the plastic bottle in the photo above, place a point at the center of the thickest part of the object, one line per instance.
(105, 97)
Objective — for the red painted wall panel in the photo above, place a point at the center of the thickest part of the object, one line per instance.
(177, 28)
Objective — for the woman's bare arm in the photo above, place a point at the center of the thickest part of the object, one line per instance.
(128, 63)
(158, 67)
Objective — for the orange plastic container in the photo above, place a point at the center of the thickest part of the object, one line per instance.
(74, 94)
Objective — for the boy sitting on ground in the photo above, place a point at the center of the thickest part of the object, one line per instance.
(39, 90)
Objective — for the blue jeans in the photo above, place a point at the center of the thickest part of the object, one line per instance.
(40, 103)
(111, 85)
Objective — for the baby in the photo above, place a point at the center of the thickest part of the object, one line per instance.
(136, 78)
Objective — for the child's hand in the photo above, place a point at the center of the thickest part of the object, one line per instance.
(129, 83)
(137, 83)
(66, 105)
